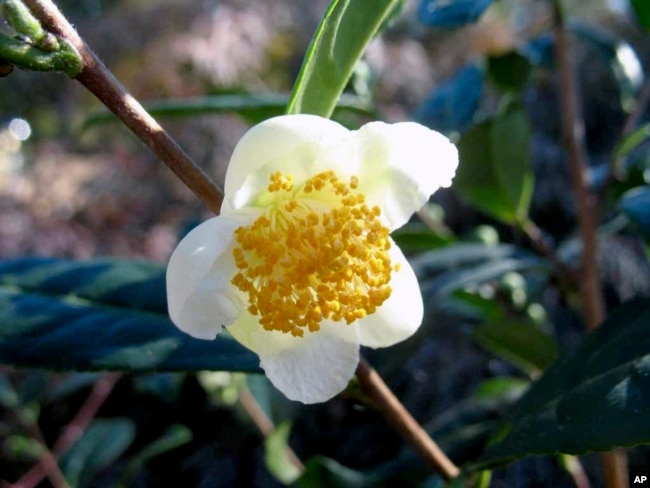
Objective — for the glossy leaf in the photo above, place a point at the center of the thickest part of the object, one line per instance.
(346, 29)
(101, 314)
(451, 106)
(451, 13)
(592, 399)
(495, 172)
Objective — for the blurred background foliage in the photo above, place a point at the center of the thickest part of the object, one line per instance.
(75, 185)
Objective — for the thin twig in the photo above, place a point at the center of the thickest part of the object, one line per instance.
(385, 401)
(73, 431)
(264, 423)
(614, 463)
(539, 243)
(573, 140)
(101, 82)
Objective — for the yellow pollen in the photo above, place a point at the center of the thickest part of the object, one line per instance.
(318, 253)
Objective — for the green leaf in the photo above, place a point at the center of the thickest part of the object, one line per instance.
(253, 107)
(276, 455)
(340, 39)
(102, 443)
(509, 71)
(322, 472)
(593, 399)
(495, 172)
(629, 143)
(101, 314)
(175, 436)
(417, 238)
(519, 342)
(642, 10)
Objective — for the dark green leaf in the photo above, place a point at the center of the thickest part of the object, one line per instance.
(593, 399)
(475, 275)
(254, 107)
(518, 342)
(102, 314)
(642, 10)
(343, 34)
(495, 172)
(322, 472)
(463, 254)
(509, 71)
(175, 436)
(417, 238)
(103, 442)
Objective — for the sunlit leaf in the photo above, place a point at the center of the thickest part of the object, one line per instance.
(341, 38)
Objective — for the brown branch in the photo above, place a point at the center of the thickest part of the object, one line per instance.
(385, 401)
(614, 462)
(72, 432)
(101, 82)
(573, 140)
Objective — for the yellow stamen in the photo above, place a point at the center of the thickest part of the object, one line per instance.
(317, 253)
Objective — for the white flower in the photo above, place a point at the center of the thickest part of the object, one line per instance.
(300, 266)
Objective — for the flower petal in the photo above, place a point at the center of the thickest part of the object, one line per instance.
(400, 316)
(199, 294)
(309, 369)
(291, 141)
(399, 166)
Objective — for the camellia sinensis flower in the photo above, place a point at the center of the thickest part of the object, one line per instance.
(299, 266)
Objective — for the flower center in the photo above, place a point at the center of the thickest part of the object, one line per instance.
(319, 252)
